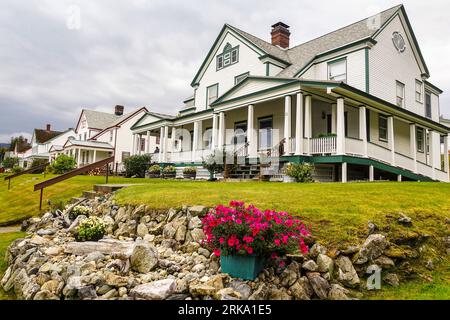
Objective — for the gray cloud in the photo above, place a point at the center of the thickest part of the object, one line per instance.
(146, 52)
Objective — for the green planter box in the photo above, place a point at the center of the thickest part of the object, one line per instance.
(244, 267)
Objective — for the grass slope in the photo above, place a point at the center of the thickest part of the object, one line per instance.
(5, 240)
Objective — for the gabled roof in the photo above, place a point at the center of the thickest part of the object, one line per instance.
(298, 57)
(42, 135)
(88, 144)
(98, 119)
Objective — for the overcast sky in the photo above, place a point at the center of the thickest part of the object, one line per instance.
(140, 52)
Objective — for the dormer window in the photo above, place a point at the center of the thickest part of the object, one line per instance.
(228, 56)
(337, 70)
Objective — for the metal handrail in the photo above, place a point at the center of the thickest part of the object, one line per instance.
(31, 170)
(44, 184)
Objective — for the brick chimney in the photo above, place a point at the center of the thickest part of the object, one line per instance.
(118, 110)
(48, 127)
(280, 35)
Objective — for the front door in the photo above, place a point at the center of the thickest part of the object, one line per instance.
(265, 141)
(240, 133)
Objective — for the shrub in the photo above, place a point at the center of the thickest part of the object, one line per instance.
(155, 169)
(326, 135)
(137, 165)
(301, 172)
(91, 229)
(79, 210)
(190, 170)
(169, 170)
(63, 163)
(37, 163)
(16, 169)
(9, 163)
(241, 230)
(214, 163)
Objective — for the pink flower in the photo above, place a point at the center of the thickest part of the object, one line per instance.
(217, 252)
(221, 240)
(249, 250)
(282, 264)
(248, 239)
(277, 242)
(238, 221)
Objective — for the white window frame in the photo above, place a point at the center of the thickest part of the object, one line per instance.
(380, 128)
(400, 100)
(419, 93)
(210, 99)
(339, 76)
(111, 135)
(420, 143)
(428, 107)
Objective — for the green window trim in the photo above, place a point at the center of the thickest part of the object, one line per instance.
(228, 57)
(239, 78)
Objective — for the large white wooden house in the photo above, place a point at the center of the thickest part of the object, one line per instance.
(99, 135)
(355, 102)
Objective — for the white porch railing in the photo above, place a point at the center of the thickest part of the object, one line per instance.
(323, 145)
(404, 161)
(441, 175)
(424, 169)
(292, 145)
(354, 146)
(379, 153)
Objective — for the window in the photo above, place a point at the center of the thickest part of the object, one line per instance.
(240, 132)
(212, 93)
(111, 135)
(265, 133)
(427, 105)
(228, 57)
(337, 70)
(142, 144)
(125, 155)
(85, 136)
(382, 128)
(400, 91)
(419, 139)
(207, 138)
(240, 77)
(419, 91)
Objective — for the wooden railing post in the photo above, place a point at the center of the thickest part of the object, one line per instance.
(107, 172)
(40, 200)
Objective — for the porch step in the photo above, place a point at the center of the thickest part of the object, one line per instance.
(90, 194)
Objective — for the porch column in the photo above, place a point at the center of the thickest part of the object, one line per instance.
(78, 157)
(133, 147)
(399, 178)
(308, 125)
(195, 142)
(371, 173)
(94, 157)
(166, 136)
(221, 130)
(362, 128)
(333, 117)
(173, 138)
(251, 137)
(147, 146)
(214, 131)
(432, 150)
(413, 144)
(391, 139)
(340, 129)
(446, 154)
(299, 125)
(161, 144)
(344, 172)
(287, 122)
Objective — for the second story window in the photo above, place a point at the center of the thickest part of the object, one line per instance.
(419, 89)
(212, 93)
(382, 128)
(228, 56)
(400, 91)
(337, 70)
(428, 105)
(111, 134)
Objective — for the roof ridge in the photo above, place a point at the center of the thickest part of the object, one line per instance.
(359, 21)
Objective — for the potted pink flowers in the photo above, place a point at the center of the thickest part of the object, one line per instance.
(245, 237)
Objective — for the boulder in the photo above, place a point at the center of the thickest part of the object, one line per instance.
(384, 262)
(144, 258)
(197, 235)
(324, 263)
(114, 280)
(199, 290)
(320, 286)
(197, 210)
(279, 294)
(194, 223)
(338, 293)
(156, 290)
(404, 220)
(391, 279)
(87, 292)
(180, 234)
(261, 293)
(371, 249)
(301, 289)
(290, 274)
(227, 294)
(346, 272)
(241, 287)
(45, 295)
(310, 265)
(316, 249)
(141, 230)
(169, 231)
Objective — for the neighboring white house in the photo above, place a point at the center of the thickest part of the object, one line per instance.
(446, 122)
(99, 135)
(355, 102)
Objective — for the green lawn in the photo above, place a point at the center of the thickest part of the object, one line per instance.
(337, 213)
(21, 201)
(5, 240)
